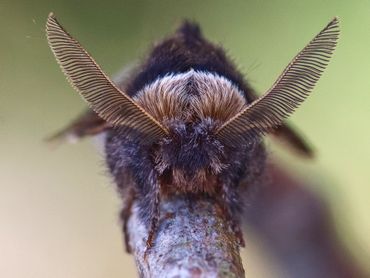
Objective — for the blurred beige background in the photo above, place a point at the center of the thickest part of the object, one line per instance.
(58, 208)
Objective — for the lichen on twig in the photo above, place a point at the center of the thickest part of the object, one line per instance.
(193, 240)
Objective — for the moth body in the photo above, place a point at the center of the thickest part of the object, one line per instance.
(185, 122)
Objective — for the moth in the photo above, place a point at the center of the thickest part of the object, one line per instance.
(185, 122)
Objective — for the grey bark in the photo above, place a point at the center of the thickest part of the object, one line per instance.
(193, 240)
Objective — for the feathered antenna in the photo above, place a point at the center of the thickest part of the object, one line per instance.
(85, 75)
(291, 88)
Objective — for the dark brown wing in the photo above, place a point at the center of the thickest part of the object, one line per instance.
(293, 140)
(86, 124)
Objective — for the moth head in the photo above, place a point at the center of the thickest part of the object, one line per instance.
(191, 106)
(194, 116)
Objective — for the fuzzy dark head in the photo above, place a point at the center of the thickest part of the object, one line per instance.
(193, 160)
(191, 107)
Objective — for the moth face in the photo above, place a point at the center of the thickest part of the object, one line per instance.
(191, 106)
(190, 156)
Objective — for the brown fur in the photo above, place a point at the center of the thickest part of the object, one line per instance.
(191, 96)
(178, 183)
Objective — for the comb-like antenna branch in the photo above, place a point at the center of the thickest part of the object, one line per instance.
(84, 74)
(291, 88)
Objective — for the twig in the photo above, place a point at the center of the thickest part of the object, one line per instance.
(193, 240)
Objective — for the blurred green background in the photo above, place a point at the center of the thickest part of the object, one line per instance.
(58, 208)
